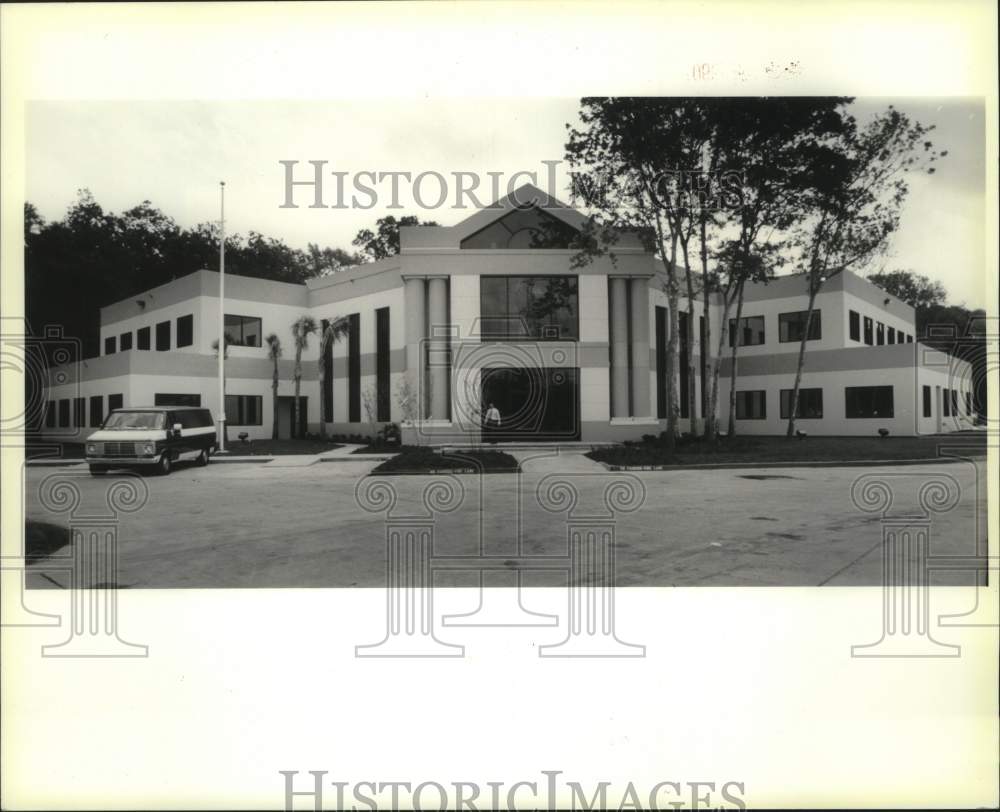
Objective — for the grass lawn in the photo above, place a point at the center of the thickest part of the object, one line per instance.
(278, 448)
(751, 450)
(42, 539)
(423, 460)
(382, 448)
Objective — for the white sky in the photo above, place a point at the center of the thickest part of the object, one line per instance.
(175, 153)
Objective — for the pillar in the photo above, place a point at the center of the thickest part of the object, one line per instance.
(416, 331)
(619, 347)
(438, 363)
(639, 320)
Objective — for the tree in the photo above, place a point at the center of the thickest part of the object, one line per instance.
(855, 189)
(384, 242)
(331, 332)
(916, 290)
(302, 328)
(274, 354)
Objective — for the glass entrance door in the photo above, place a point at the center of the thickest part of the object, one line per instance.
(534, 404)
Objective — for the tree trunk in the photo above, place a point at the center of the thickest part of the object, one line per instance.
(673, 358)
(298, 386)
(322, 380)
(274, 400)
(733, 357)
(708, 394)
(691, 368)
(793, 405)
(713, 406)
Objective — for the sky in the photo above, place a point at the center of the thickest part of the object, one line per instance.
(175, 153)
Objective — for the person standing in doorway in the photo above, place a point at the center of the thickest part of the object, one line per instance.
(492, 423)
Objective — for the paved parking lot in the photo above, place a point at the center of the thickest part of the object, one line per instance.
(259, 525)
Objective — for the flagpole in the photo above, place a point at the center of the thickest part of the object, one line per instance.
(221, 445)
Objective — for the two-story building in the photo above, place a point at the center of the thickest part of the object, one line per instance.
(494, 310)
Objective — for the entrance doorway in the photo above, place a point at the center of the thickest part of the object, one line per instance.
(534, 404)
(286, 417)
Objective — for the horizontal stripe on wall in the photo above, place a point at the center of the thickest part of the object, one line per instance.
(890, 356)
(139, 362)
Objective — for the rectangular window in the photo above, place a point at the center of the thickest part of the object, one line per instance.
(968, 403)
(868, 331)
(946, 404)
(868, 401)
(909, 338)
(682, 362)
(96, 411)
(244, 410)
(64, 413)
(810, 404)
(50, 414)
(791, 326)
(243, 331)
(751, 405)
(176, 399)
(751, 331)
(163, 336)
(928, 410)
(854, 320)
(354, 368)
(661, 362)
(954, 402)
(382, 364)
(185, 331)
(109, 345)
(327, 393)
(115, 402)
(79, 412)
(142, 338)
(125, 342)
(891, 337)
(524, 308)
(879, 333)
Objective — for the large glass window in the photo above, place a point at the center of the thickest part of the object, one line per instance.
(243, 331)
(244, 410)
(120, 421)
(751, 331)
(110, 345)
(968, 403)
(142, 338)
(869, 331)
(751, 405)
(927, 402)
(354, 368)
(891, 337)
(382, 364)
(946, 404)
(868, 401)
(125, 341)
(163, 336)
(96, 411)
(185, 331)
(528, 308)
(64, 413)
(879, 333)
(115, 402)
(176, 399)
(523, 228)
(50, 414)
(854, 320)
(791, 326)
(79, 412)
(810, 405)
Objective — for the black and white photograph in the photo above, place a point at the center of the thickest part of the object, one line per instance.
(654, 422)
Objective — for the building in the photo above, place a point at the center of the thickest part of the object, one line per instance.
(494, 310)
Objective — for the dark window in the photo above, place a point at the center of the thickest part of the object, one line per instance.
(244, 410)
(868, 401)
(50, 414)
(185, 331)
(523, 228)
(173, 399)
(909, 338)
(810, 404)
(125, 342)
(751, 405)
(109, 345)
(891, 337)
(682, 362)
(327, 392)
(968, 403)
(96, 411)
(382, 364)
(868, 331)
(79, 412)
(879, 333)
(354, 368)
(854, 319)
(193, 418)
(64, 413)
(661, 361)
(243, 331)
(954, 402)
(163, 336)
(928, 411)
(946, 404)
(522, 308)
(791, 326)
(115, 402)
(751, 331)
(142, 338)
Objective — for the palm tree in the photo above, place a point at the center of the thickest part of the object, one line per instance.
(333, 330)
(225, 351)
(274, 353)
(302, 328)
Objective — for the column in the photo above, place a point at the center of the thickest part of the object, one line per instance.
(416, 331)
(619, 347)
(438, 365)
(639, 319)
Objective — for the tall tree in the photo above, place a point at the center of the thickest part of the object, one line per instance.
(332, 331)
(302, 328)
(384, 241)
(855, 185)
(274, 354)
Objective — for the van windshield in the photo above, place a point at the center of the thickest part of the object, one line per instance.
(118, 421)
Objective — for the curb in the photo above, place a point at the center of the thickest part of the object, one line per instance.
(732, 466)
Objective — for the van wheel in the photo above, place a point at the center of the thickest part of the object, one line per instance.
(163, 466)
(97, 470)
(203, 457)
